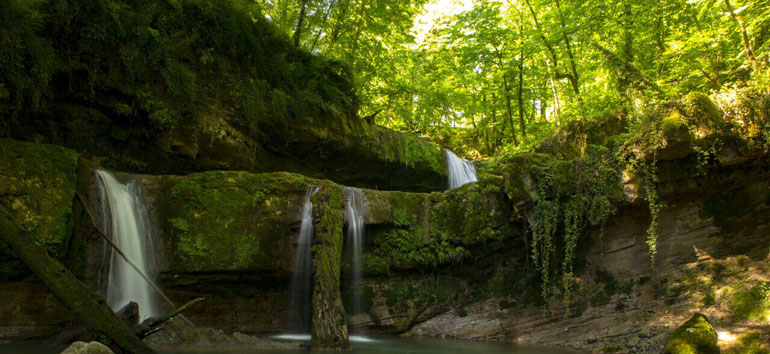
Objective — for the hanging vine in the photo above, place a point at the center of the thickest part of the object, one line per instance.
(570, 195)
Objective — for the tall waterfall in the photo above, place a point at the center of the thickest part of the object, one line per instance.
(355, 211)
(125, 220)
(461, 171)
(301, 280)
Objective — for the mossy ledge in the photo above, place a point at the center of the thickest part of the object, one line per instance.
(227, 220)
(37, 185)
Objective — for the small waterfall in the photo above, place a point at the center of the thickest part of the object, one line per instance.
(126, 221)
(355, 211)
(461, 171)
(301, 280)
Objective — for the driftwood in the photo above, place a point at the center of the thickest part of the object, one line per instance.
(128, 260)
(88, 308)
(157, 324)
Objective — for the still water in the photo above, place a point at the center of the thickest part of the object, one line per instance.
(361, 345)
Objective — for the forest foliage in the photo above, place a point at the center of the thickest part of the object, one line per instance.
(497, 77)
(504, 74)
(169, 61)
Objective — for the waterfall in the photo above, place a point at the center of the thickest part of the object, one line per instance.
(461, 171)
(125, 220)
(301, 280)
(355, 211)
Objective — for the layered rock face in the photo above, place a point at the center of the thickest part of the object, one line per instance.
(455, 263)
(327, 147)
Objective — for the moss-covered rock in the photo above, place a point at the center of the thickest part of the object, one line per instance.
(415, 230)
(226, 221)
(696, 336)
(702, 114)
(572, 138)
(677, 137)
(329, 328)
(37, 185)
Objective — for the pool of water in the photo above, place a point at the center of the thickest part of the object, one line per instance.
(361, 345)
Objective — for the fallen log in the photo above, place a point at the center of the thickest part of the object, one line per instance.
(89, 309)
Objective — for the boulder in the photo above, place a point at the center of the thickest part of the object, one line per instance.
(697, 335)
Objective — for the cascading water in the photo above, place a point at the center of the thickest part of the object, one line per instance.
(461, 171)
(355, 211)
(301, 280)
(125, 220)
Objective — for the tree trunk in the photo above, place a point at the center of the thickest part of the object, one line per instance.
(627, 51)
(744, 34)
(495, 138)
(509, 110)
(547, 45)
(486, 125)
(300, 21)
(89, 309)
(507, 89)
(574, 79)
(522, 123)
(323, 24)
(329, 328)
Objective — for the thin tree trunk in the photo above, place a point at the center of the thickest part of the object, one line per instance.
(627, 51)
(543, 105)
(744, 34)
(522, 123)
(542, 36)
(510, 115)
(486, 126)
(125, 257)
(555, 93)
(323, 24)
(507, 89)
(495, 138)
(574, 78)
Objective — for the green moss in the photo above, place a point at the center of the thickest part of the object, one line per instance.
(751, 303)
(749, 343)
(37, 185)
(675, 128)
(407, 149)
(219, 220)
(612, 349)
(406, 295)
(702, 113)
(436, 229)
(696, 336)
(329, 327)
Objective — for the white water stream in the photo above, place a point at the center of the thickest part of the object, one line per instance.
(461, 171)
(355, 211)
(301, 280)
(125, 220)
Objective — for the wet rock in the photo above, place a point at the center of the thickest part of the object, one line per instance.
(129, 314)
(87, 348)
(178, 336)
